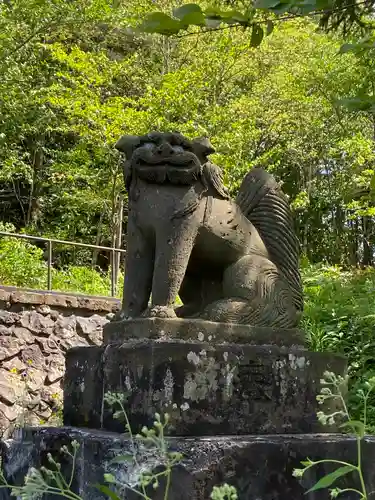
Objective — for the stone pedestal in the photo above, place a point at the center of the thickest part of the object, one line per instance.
(206, 388)
(241, 400)
(196, 330)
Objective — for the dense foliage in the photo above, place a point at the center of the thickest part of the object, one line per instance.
(72, 86)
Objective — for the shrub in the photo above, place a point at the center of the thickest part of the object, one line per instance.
(340, 317)
(340, 314)
(21, 262)
(79, 279)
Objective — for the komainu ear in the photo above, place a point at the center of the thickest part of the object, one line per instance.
(127, 144)
(202, 147)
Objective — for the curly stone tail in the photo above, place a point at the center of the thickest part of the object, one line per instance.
(265, 205)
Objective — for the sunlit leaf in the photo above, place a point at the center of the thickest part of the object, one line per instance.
(234, 16)
(161, 23)
(329, 479)
(110, 478)
(213, 12)
(190, 14)
(186, 9)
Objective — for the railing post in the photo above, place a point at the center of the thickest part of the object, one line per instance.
(49, 264)
(113, 271)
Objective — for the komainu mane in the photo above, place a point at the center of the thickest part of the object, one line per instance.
(229, 261)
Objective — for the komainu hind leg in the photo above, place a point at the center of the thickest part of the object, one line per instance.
(256, 294)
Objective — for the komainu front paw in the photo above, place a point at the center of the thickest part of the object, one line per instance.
(118, 316)
(160, 312)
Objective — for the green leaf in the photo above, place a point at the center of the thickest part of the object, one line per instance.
(357, 425)
(266, 4)
(195, 19)
(281, 8)
(257, 35)
(110, 478)
(184, 10)
(190, 14)
(235, 15)
(122, 458)
(306, 8)
(347, 47)
(372, 187)
(212, 22)
(270, 27)
(363, 45)
(363, 103)
(213, 12)
(324, 4)
(107, 491)
(329, 479)
(161, 23)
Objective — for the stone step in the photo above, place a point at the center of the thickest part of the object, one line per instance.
(260, 467)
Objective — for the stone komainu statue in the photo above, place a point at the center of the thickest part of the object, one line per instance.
(229, 261)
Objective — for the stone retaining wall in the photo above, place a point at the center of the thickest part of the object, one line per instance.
(36, 329)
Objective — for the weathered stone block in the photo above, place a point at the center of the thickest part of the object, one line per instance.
(207, 389)
(65, 327)
(92, 328)
(4, 295)
(9, 347)
(22, 296)
(260, 467)
(11, 387)
(56, 368)
(23, 334)
(35, 379)
(33, 356)
(14, 364)
(8, 318)
(4, 331)
(63, 301)
(197, 330)
(36, 323)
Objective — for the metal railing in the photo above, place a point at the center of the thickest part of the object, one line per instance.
(50, 242)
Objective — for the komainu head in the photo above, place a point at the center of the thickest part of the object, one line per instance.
(164, 157)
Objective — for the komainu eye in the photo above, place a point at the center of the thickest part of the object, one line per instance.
(178, 149)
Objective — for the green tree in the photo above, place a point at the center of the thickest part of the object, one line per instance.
(71, 92)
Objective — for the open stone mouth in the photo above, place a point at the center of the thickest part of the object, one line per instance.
(185, 170)
(186, 163)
